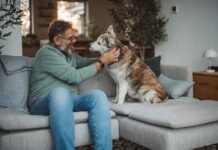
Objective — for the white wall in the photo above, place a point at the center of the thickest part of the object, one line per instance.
(13, 44)
(191, 31)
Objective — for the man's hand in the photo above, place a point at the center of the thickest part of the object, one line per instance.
(98, 66)
(110, 56)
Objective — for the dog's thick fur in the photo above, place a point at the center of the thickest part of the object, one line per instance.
(130, 73)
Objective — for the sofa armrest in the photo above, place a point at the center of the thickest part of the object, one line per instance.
(178, 73)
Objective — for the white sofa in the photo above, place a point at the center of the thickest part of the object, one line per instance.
(181, 124)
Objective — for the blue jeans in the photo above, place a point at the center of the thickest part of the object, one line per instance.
(60, 104)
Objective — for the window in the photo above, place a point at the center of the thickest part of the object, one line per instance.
(25, 27)
(73, 12)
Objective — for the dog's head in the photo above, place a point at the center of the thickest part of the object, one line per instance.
(104, 42)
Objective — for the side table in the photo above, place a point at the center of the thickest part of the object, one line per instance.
(206, 85)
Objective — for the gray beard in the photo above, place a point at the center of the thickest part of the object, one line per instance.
(66, 50)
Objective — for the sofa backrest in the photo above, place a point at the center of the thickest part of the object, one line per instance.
(102, 81)
(178, 73)
(14, 81)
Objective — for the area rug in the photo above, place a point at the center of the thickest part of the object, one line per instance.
(123, 144)
(120, 144)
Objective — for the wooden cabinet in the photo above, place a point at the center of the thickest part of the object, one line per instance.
(206, 85)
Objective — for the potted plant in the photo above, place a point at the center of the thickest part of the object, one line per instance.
(140, 21)
(10, 15)
(92, 29)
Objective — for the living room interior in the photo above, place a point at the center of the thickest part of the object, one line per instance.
(191, 29)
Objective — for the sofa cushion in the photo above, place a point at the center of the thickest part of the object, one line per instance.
(102, 81)
(14, 119)
(178, 115)
(14, 80)
(128, 107)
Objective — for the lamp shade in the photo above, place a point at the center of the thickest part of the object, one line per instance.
(210, 53)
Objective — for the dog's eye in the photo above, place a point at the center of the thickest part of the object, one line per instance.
(99, 43)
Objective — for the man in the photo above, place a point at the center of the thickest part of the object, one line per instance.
(53, 89)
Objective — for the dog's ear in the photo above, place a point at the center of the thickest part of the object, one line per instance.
(110, 30)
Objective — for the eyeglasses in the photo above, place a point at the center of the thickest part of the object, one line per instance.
(72, 38)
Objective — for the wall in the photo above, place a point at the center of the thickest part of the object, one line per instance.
(13, 44)
(191, 31)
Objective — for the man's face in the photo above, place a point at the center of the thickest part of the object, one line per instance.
(67, 40)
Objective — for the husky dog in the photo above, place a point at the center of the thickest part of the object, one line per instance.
(130, 73)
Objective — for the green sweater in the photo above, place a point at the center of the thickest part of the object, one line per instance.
(52, 69)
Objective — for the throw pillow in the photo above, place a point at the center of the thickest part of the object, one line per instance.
(175, 88)
(14, 81)
(154, 64)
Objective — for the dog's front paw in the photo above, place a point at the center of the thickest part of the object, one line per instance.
(114, 101)
(153, 100)
(120, 102)
(117, 101)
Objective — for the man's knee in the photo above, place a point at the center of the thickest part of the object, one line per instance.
(60, 96)
(99, 97)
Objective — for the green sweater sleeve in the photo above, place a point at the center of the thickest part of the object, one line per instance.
(58, 67)
(83, 61)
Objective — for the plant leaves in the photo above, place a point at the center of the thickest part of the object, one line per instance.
(10, 15)
(6, 34)
(142, 18)
(3, 38)
(1, 46)
(19, 11)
